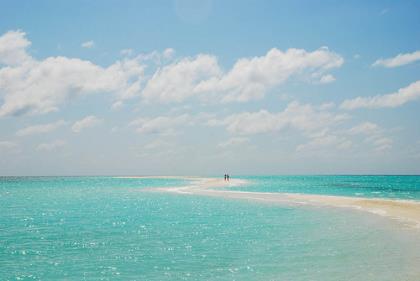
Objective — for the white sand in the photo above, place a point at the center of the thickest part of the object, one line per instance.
(155, 177)
(405, 211)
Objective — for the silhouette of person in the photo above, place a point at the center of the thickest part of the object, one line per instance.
(225, 177)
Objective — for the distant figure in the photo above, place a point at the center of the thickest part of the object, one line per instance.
(227, 177)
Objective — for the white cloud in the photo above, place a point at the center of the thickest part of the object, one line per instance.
(382, 144)
(399, 60)
(248, 79)
(88, 44)
(251, 78)
(374, 135)
(51, 146)
(371, 134)
(40, 129)
(87, 122)
(168, 53)
(314, 123)
(117, 105)
(177, 81)
(30, 86)
(234, 142)
(13, 46)
(327, 105)
(366, 128)
(249, 123)
(164, 125)
(402, 96)
(127, 52)
(304, 118)
(157, 57)
(325, 79)
(325, 139)
(8, 146)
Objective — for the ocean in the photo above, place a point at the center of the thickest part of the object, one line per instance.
(391, 187)
(107, 228)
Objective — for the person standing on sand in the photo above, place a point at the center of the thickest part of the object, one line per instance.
(227, 177)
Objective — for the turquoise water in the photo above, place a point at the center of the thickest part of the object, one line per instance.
(102, 228)
(396, 187)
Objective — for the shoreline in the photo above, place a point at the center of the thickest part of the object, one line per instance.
(156, 177)
(405, 211)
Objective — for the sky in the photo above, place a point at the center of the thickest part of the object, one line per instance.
(209, 87)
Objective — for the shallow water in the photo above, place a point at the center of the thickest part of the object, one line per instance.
(396, 187)
(104, 228)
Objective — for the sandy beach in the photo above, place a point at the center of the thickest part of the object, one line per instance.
(405, 211)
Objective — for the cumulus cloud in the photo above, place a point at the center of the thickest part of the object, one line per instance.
(303, 117)
(117, 105)
(314, 123)
(87, 122)
(325, 79)
(30, 86)
(88, 44)
(402, 96)
(249, 78)
(325, 139)
(51, 146)
(366, 128)
(383, 143)
(164, 125)
(328, 137)
(250, 123)
(40, 129)
(8, 146)
(13, 46)
(177, 81)
(327, 105)
(399, 60)
(157, 57)
(168, 53)
(373, 134)
(127, 52)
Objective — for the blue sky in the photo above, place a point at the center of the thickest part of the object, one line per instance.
(187, 87)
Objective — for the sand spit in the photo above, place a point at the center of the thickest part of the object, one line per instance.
(403, 210)
(156, 177)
